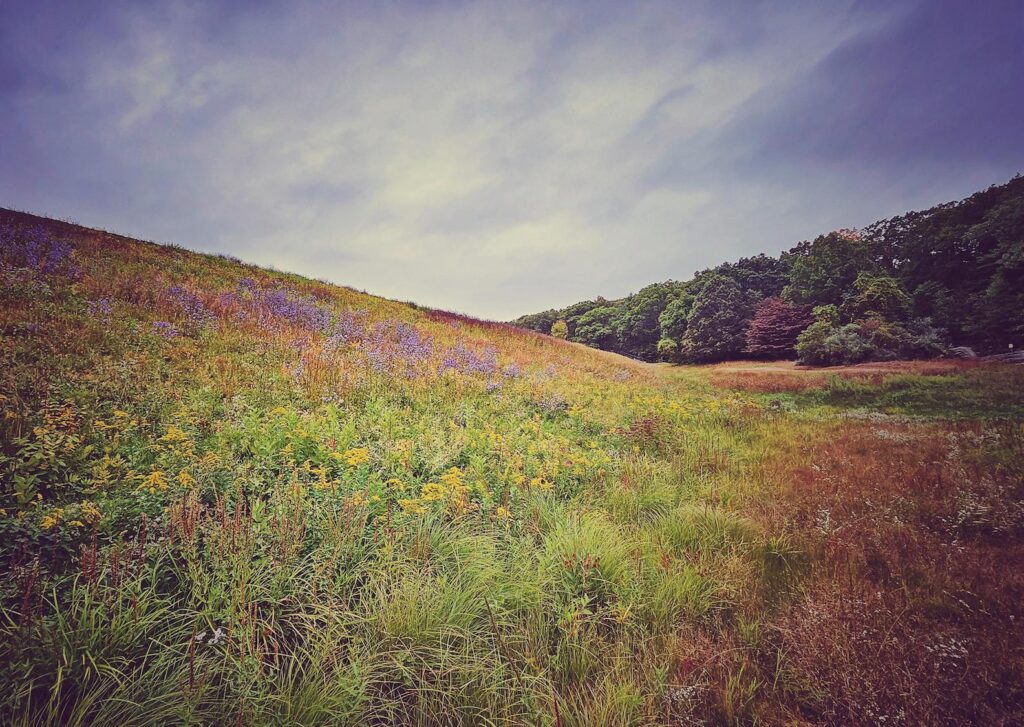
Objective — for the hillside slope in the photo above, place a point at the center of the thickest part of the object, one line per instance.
(238, 496)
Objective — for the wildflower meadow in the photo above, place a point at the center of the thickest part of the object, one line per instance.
(232, 495)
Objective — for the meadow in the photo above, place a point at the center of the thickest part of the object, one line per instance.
(232, 495)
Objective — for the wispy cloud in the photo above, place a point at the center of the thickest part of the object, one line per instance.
(494, 158)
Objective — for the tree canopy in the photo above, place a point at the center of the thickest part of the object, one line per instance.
(905, 286)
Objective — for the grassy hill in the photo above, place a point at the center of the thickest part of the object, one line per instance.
(238, 496)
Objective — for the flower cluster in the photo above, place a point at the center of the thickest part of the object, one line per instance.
(35, 247)
(270, 305)
(396, 348)
(197, 315)
(353, 457)
(100, 308)
(464, 359)
(165, 330)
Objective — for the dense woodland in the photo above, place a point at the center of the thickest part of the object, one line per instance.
(913, 286)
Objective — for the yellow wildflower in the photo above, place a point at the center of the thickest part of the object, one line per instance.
(542, 483)
(90, 513)
(185, 479)
(156, 480)
(432, 492)
(396, 484)
(353, 457)
(412, 507)
(174, 435)
(52, 519)
(452, 478)
(502, 513)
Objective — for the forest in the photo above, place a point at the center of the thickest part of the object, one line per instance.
(947, 280)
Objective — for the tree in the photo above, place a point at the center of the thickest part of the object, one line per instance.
(597, 328)
(877, 296)
(774, 328)
(824, 271)
(963, 263)
(638, 321)
(762, 275)
(672, 320)
(717, 325)
(559, 329)
(540, 322)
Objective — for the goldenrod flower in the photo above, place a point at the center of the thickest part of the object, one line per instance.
(353, 457)
(52, 519)
(90, 513)
(156, 480)
(432, 492)
(412, 507)
(452, 478)
(173, 435)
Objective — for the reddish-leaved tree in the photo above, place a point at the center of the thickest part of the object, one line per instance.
(774, 328)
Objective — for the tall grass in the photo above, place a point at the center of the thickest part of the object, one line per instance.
(234, 496)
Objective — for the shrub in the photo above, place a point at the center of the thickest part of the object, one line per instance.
(560, 329)
(668, 350)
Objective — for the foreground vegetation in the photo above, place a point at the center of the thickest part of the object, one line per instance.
(237, 496)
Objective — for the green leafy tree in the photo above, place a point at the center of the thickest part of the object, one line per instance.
(672, 320)
(717, 325)
(540, 322)
(963, 263)
(597, 327)
(638, 320)
(877, 296)
(559, 329)
(824, 271)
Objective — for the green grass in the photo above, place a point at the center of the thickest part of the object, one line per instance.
(252, 523)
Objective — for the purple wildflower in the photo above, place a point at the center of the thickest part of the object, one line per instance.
(462, 358)
(35, 247)
(100, 308)
(197, 315)
(349, 327)
(399, 346)
(277, 304)
(165, 330)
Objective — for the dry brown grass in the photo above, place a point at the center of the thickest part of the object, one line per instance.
(913, 610)
(786, 376)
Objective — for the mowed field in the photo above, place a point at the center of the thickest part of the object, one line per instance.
(237, 496)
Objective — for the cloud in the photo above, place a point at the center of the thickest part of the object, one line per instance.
(495, 158)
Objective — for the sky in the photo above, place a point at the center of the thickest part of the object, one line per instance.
(502, 158)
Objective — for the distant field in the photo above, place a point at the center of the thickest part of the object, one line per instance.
(237, 496)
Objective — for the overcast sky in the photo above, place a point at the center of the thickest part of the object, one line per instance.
(503, 158)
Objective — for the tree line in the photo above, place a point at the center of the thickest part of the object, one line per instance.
(913, 286)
